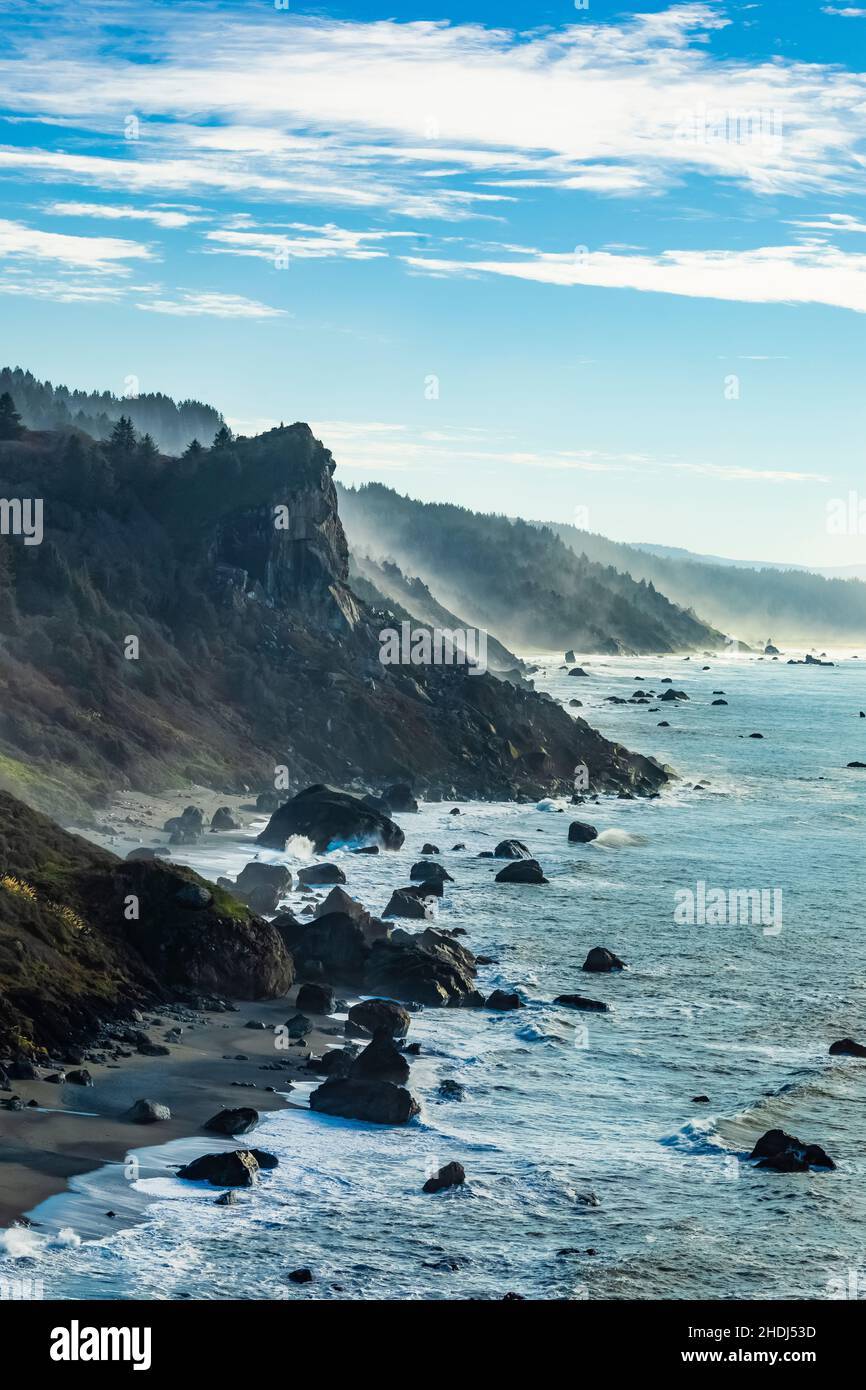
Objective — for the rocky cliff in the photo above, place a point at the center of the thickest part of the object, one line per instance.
(192, 619)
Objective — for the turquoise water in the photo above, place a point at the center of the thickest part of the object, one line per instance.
(578, 1132)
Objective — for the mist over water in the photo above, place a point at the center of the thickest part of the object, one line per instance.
(579, 1131)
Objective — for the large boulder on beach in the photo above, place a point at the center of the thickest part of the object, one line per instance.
(600, 960)
(429, 873)
(522, 871)
(234, 1168)
(451, 1175)
(381, 1060)
(222, 819)
(431, 968)
(147, 1112)
(377, 1102)
(335, 1063)
(329, 818)
(846, 1047)
(256, 874)
(784, 1153)
(232, 1122)
(512, 849)
(581, 832)
(316, 999)
(373, 1016)
(321, 873)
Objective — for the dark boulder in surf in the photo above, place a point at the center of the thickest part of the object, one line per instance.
(234, 1168)
(783, 1153)
(232, 1122)
(377, 1102)
(321, 873)
(600, 960)
(429, 872)
(402, 903)
(512, 849)
(581, 832)
(451, 1175)
(503, 1000)
(846, 1047)
(580, 1001)
(522, 871)
(430, 968)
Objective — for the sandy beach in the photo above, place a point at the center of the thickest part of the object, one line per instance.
(77, 1129)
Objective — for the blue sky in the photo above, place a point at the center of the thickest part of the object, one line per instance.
(602, 264)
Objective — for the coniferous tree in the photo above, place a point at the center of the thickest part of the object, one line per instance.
(147, 448)
(123, 440)
(192, 450)
(10, 420)
(222, 438)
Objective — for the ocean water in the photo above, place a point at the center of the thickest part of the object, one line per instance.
(578, 1131)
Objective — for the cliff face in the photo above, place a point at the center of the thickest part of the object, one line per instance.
(229, 568)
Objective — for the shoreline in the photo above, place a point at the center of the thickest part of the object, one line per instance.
(80, 1129)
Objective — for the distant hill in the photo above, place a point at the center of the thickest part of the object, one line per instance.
(172, 425)
(518, 580)
(789, 605)
(676, 552)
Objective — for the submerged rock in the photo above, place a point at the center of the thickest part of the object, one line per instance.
(580, 1001)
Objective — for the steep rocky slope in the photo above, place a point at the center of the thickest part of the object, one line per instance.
(192, 619)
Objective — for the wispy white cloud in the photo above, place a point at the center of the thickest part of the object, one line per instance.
(195, 303)
(83, 252)
(119, 212)
(302, 241)
(359, 113)
(807, 274)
